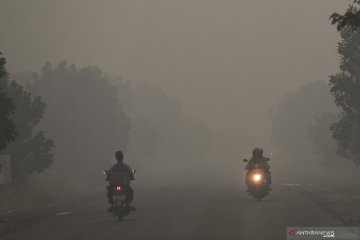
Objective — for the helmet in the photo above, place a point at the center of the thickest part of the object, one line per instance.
(257, 152)
(119, 156)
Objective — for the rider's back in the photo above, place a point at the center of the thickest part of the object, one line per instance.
(120, 167)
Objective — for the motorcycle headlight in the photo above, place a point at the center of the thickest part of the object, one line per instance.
(257, 177)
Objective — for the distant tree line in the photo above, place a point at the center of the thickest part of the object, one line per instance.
(85, 117)
(89, 116)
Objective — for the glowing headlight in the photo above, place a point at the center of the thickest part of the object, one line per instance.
(257, 177)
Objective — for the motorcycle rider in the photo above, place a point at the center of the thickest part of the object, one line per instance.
(259, 161)
(120, 166)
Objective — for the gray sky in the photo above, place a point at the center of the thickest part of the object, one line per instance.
(228, 61)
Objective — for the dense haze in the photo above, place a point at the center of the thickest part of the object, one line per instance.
(228, 62)
(186, 89)
(199, 80)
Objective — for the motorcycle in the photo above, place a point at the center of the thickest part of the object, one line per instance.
(257, 181)
(119, 193)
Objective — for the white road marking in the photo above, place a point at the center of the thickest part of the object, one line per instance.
(63, 213)
(12, 211)
(295, 184)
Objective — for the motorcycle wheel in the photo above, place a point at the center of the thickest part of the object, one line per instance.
(120, 217)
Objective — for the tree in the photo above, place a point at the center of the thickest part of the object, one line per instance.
(7, 126)
(350, 19)
(85, 118)
(345, 87)
(31, 151)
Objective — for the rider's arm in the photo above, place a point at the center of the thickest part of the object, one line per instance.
(249, 164)
(267, 166)
(266, 163)
(132, 177)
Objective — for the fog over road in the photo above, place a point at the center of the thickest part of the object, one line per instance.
(198, 211)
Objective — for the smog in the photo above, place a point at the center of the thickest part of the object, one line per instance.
(188, 91)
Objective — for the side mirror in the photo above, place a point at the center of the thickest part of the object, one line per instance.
(133, 170)
(245, 160)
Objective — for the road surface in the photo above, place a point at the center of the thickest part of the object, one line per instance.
(198, 211)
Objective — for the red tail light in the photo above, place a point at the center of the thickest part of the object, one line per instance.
(118, 188)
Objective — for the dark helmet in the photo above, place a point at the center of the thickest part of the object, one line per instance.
(119, 156)
(257, 152)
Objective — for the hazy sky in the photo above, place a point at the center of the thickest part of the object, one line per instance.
(228, 61)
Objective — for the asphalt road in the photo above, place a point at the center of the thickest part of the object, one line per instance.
(198, 211)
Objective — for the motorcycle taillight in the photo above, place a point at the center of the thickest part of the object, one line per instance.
(118, 188)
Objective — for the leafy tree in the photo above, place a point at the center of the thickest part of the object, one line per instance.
(31, 151)
(85, 117)
(345, 87)
(7, 126)
(350, 19)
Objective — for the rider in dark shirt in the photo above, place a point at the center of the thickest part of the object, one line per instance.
(259, 161)
(120, 166)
